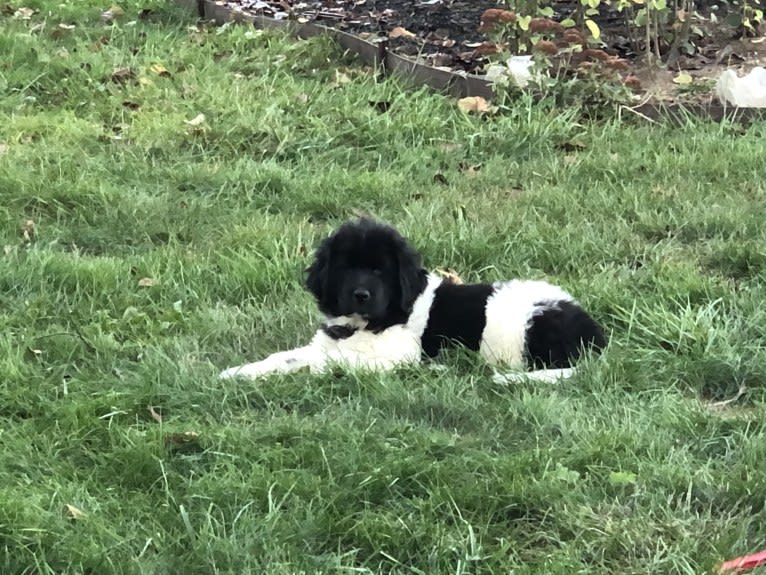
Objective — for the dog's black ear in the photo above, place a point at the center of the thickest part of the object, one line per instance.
(318, 272)
(412, 276)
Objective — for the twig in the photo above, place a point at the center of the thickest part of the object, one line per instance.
(742, 390)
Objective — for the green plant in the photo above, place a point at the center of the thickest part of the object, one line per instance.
(747, 17)
(661, 29)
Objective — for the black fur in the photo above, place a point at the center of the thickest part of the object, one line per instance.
(338, 331)
(365, 256)
(457, 316)
(557, 337)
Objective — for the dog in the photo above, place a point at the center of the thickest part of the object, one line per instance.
(382, 309)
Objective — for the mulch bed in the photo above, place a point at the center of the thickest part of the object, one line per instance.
(446, 34)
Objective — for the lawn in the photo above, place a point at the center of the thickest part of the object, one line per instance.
(145, 248)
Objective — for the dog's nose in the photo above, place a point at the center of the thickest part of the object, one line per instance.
(361, 295)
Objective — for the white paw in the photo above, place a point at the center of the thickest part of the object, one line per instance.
(544, 375)
(249, 371)
(230, 373)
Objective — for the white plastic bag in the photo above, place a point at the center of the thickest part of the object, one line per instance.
(744, 92)
(518, 68)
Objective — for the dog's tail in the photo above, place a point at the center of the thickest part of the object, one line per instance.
(544, 375)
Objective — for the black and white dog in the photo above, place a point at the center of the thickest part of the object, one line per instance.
(383, 310)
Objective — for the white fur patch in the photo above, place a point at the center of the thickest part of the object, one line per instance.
(544, 375)
(508, 312)
(367, 350)
(421, 309)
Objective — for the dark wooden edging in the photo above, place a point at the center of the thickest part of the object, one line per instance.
(457, 85)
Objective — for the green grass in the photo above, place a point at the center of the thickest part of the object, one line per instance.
(627, 469)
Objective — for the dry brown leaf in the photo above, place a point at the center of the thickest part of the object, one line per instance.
(147, 282)
(160, 70)
(24, 13)
(341, 78)
(182, 438)
(112, 13)
(683, 78)
(475, 104)
(29, 230)
(470, 169)
(73, 512)
(198, 120)
(400, 32)
(450, 275)
(155, 416)
(122, 75)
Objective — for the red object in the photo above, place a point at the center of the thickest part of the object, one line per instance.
(744, 563)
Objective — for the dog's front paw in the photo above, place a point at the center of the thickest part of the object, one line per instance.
(231, 373)
(255, 370)
(249, 371)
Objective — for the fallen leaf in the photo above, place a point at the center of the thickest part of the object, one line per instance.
(29, 230)
(73, 512)
(155, 416)
(123, 75)
(571, 146)
(160, 70)
(399, 32)
(473, 104)
(683, 78)
(24, 13)
(63, 26)
(147, 282)
(3, 148)
(341, 78)
(470, 169)
(198, 120)
(451, 276)
(112, 13)
(182, 438)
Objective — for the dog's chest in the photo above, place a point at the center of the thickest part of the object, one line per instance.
(365, 349)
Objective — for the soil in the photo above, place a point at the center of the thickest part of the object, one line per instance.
(445, 34)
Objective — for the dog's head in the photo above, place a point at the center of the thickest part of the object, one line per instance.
(368, 269)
